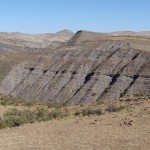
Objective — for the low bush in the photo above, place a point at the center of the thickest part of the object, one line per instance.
(77, 113)
(42, 115)
(89, 111)
(100, 102)
(10, 100)
(58, 114)
(16, 117)
(112, 108)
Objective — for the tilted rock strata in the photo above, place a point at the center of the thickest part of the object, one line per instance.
(82, 76)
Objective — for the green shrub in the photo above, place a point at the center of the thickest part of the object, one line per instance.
(16, 117)
(77, 113)
(99, 102)
(112, 108)
(21, 117)
(58, 114)
(55, 114)
(122, 107)
(88, 112)
(29, 103)
(93, 94)
(15, 121)
(98, 111)
(10, 100)
(3, 124)
(42, 115)
(81, 105)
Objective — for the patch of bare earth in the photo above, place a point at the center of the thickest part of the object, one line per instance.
(124, 130)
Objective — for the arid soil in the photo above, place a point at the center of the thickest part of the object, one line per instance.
(125, 130)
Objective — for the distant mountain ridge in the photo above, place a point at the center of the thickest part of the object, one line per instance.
(16, 41)
(131, 33)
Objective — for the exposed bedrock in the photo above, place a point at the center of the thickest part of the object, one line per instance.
(82, 76)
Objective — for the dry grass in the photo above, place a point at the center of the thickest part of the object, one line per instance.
(14, 117)
(127, 129)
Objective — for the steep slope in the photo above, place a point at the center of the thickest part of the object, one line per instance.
(23, 42)
(85, 70)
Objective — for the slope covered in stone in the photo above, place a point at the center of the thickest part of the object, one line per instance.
(84, 71)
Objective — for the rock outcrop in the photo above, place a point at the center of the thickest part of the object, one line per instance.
(91, 70)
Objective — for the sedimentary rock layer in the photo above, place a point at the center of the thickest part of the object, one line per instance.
(82, 76)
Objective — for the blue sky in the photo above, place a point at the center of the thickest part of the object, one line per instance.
(41, 16)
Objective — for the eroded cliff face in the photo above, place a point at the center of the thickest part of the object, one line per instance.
(111, 71)
(84, 70)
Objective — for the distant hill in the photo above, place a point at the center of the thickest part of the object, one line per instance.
(22, 42)
(130, 33)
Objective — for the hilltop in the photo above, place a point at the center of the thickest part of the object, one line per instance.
(88, 68)
(31, 42)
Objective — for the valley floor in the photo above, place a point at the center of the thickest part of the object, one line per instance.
(124, 130)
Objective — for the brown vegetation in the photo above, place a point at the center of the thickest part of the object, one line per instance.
(127, 128)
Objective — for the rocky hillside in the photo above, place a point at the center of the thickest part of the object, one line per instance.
(88, 68)
(27, 42)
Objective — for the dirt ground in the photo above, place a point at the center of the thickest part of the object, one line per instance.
(125, 130)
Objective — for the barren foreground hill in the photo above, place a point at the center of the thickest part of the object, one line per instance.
(88, 68)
